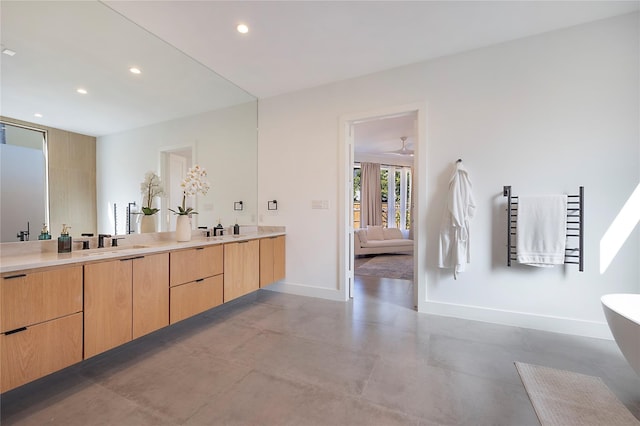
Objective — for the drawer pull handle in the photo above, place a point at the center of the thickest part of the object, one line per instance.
(17, 330)
(15, 276)
(199, 248)
(200, 279)
(131, 258)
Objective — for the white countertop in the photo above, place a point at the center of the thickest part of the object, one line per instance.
(41, 254)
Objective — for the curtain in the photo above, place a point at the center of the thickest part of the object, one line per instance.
(370, 195)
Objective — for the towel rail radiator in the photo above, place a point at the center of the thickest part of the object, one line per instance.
(575, 227)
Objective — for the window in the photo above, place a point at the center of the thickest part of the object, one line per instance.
(396, 209)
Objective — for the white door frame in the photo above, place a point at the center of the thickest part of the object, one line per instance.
(345, 200)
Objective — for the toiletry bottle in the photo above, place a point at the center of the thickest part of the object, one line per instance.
(236, 229)
(44, 234)
(218, 230)
(64, 240)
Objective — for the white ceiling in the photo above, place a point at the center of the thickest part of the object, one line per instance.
(294, 45)
(291, 45)
(379, 140)
(63, 45)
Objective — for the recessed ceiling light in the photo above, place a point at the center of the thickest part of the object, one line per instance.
(242, 28)
(135, 70)
(37, 115)
(81, 91)
(8, 52)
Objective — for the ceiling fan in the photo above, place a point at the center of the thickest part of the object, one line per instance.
(404, 150)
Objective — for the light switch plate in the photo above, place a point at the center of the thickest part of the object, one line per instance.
(320, 204)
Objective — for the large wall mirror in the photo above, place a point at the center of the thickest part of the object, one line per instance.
(68, 70)
(23, 181)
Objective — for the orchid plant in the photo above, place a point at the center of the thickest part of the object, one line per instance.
(195, 182)
(150, 188)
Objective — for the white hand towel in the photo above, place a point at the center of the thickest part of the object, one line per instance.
(541, 230)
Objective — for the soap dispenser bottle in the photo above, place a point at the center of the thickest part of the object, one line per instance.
(64, 240)
(236, 229)
(218, 230)
(44, 234)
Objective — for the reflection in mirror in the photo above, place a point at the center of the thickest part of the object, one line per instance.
(23, 182)
(123, 125)
(221, 141)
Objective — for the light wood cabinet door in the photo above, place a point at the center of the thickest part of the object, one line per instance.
(150, 293)
(241, 268)
(279, 256)
(195, 297)
(272, 260)
(107, 305)
(34, 297)
(266, 261)
(193, 264)
(39, 350)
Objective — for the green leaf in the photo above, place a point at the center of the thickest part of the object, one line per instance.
(149, 211)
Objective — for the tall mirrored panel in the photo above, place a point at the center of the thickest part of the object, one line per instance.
(116, 102)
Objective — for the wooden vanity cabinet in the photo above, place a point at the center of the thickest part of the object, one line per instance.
(241, 268)
(40, 323)
(48, 315)
(124, 299)
(272, 260)
(196, 281)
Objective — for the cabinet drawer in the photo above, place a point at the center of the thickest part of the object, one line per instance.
(40, 350)
(192, 298)
(35, 297)
(193, 264)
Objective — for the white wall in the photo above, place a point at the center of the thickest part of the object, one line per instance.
(544, 114)
(225, 144)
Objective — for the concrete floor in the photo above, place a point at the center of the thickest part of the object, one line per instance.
(277, 359)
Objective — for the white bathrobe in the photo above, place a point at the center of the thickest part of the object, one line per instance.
(454, 230)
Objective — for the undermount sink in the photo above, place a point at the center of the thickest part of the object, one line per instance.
(107, 250)
(93, 253)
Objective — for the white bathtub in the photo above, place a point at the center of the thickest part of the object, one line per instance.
(623, 315)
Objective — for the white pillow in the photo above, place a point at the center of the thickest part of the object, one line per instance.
(392, 234)
(375, 233)
(362, 234)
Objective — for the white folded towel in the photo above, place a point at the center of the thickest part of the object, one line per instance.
(541, 230)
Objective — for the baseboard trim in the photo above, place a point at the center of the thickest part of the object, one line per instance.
(599, 330)
(304, 290)
(553, 324)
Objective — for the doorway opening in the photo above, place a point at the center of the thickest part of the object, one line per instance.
(381, 204)
(174, 164)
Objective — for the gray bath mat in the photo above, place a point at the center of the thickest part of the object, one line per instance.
(564, 398)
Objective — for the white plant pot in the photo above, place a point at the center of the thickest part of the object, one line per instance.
(183, 228)
(147, 224)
